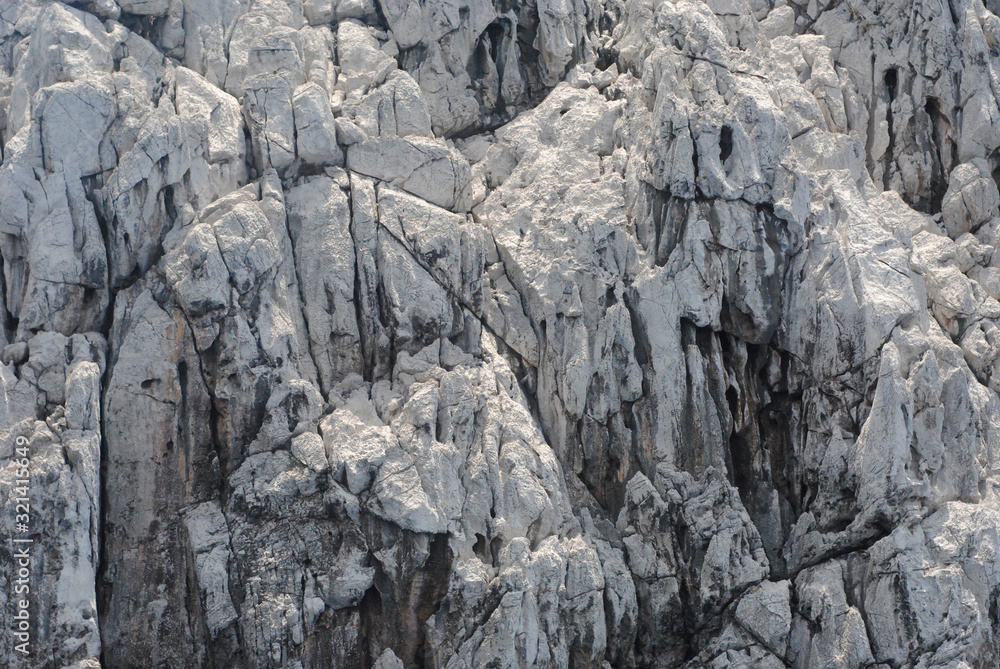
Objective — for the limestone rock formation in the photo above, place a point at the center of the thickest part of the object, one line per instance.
(472, 333)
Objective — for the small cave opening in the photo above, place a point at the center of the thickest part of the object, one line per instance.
(146, 26)
(725, 143)
(891, 81)
(495, 32)
(945, 154)
(996, 176)
(479, 548)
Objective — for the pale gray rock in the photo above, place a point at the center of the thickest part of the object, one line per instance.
(826, 624)
(50, 423)
(424, 167)
(315, 129)
(267, 104)
(200, 34)
(362, 64)
(152, 398)
(71, 44)
(209, 538)
(279, 52)
(388, 660)
(395, 108)
(192, 150)
(319, 220)
(729, 554)
(780, 22)
(972, 198)
(562, 333)
(766, 613)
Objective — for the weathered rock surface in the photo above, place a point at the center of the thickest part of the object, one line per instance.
(468, 333)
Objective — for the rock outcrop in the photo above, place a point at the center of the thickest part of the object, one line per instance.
(470, 333)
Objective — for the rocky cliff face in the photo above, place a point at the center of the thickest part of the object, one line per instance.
(487, 333)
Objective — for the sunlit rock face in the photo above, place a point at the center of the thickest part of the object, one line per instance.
(448, 334)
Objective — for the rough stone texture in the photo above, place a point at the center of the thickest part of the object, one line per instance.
(468, 333)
